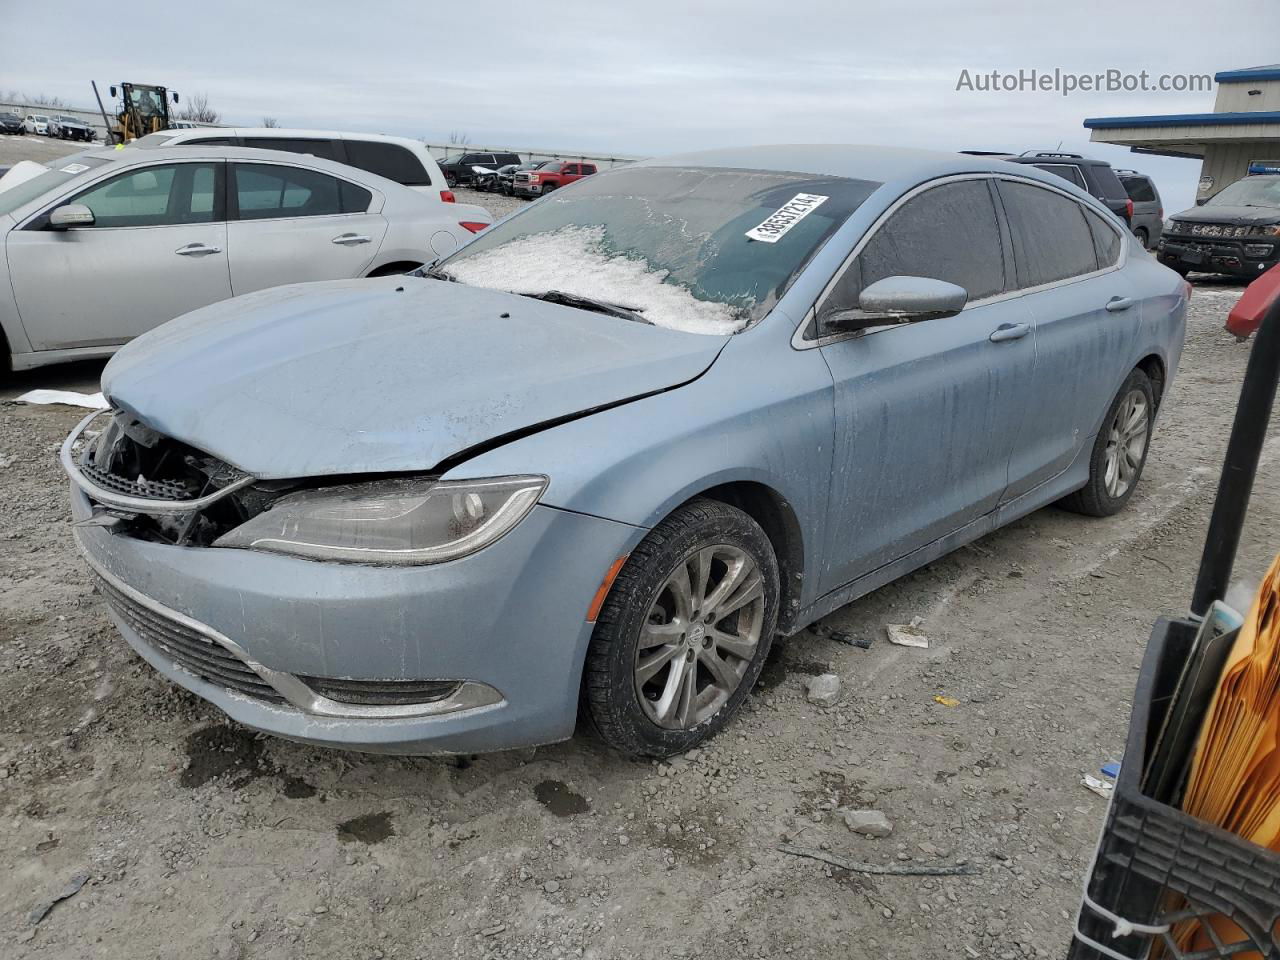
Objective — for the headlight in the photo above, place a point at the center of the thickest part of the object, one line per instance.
(398, 521)
(1271, 230)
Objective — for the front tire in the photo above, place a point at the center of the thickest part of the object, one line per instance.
(1119, 452)
(684, 632)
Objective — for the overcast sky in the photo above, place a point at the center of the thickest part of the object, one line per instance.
(648, 78)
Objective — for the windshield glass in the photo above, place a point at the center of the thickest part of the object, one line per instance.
(68, 167)
(1249, 192)
(704, 250)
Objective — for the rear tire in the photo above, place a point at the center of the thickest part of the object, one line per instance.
(1143, 237)
(1119, 452)
(684, 632)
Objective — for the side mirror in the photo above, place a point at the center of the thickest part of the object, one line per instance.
(113, 91)
(71, 215)
(175, 96)
(896, 300)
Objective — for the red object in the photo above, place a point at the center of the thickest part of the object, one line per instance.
(1246, 316)
(448, 197)
(554, 175)
(1128, 210)
(474, 226)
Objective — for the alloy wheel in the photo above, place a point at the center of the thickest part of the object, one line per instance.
(1126, 444)
(698, 640)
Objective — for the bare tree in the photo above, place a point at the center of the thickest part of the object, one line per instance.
(270, 122)
(43, 100)
(198, 109)
(458, 137)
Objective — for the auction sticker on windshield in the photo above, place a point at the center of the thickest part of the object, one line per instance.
(787, 216)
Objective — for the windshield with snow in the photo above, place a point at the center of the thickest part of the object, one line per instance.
(704, 250)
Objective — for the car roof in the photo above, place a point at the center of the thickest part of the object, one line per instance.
(855, 161)
(132, 155)
(292, 132)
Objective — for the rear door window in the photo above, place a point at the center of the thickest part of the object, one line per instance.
(209, 142)
(1105, 240)
(588, 168)
(389, 160)
(949, 232)
(1052, 240)
(272, 191)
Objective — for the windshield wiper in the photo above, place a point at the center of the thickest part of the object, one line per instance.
(435, 273)
(590, 303)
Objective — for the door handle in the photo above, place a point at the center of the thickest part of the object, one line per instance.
(1009, 331)
(196, 249)
(350, 239)
(1116, 304)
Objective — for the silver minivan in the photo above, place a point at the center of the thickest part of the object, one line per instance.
(1148, 209)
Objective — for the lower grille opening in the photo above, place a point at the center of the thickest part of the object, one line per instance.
(188, 649)
(382, 693)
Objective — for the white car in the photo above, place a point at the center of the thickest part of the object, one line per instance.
(401, 159)
(110, 243)
(36, 123)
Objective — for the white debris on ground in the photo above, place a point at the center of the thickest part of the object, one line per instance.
(573, 260)
(907, 634)
(94, 401)
(869, 823)
(824, 690)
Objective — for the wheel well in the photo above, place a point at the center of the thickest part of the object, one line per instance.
(1153, 367)
(774, 514)
(390, 269)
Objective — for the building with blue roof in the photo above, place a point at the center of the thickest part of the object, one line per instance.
(1241, 136)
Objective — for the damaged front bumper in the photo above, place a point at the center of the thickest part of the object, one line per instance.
(309, 650)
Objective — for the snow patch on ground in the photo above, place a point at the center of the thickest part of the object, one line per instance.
(574, 260)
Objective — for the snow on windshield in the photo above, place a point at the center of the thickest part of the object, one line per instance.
(574, 260)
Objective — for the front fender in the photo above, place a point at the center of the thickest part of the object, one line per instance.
(761, 414)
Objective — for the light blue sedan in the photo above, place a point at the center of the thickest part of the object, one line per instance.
(592, 464)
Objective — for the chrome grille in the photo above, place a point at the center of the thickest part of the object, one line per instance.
(187, 648)
(522, 178)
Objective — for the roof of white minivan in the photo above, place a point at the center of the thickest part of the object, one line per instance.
(275, 132)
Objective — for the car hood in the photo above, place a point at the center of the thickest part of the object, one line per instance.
(397, 374)
(1229, 214)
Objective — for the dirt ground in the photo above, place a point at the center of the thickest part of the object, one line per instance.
(202, 839)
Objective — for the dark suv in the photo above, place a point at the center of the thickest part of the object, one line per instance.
(1236, 231)
(458, 170)
(1094, 177)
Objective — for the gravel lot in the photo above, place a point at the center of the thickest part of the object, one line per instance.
(201, 839)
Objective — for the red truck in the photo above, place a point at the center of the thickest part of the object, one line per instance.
(547, 176)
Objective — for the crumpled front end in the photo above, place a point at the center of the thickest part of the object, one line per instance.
(478, 653)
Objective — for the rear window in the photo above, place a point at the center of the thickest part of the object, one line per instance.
(1063, 170)
(388, 160)
(1139, 188)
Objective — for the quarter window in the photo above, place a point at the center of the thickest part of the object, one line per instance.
(949, 232)
(162, 195)
(270, 191)
(1105, 240)
(390, 160)
(1065, 171)
(1051, 239)
(325, 149)
(1139, 189)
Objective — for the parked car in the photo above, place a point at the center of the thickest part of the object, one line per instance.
(1236, 231)
(457, 170)
(37, 124)
(111, 243)
(11, 123)
(1148, 210)
(402, 159)
(505, 182)
(1095, 177)
(549, 176)
(69, 128)
(733, 391)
